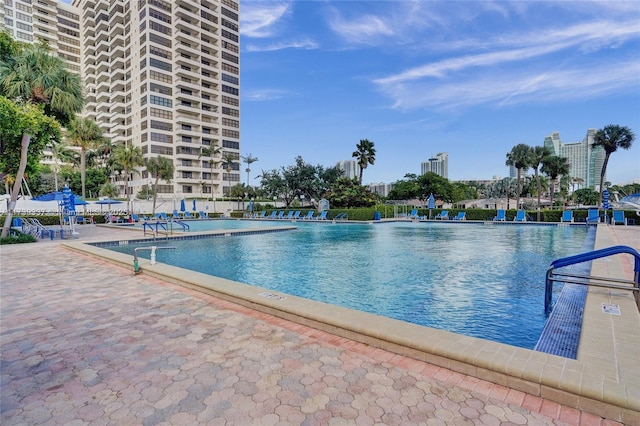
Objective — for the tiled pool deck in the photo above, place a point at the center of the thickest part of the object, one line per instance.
(85, 341)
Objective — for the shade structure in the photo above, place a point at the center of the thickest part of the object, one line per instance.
(605, 199)
(182, 206)
(108, 201)
(194, 205)
(50, 196)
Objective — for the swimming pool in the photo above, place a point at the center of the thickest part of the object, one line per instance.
(480, 280)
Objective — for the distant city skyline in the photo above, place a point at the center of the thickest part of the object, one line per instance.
(470, 78)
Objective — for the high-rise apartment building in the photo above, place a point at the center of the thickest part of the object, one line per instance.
(158, 74)
(584, 159)
(350, 168)
(439, 164)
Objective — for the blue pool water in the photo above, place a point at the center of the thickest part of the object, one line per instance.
(479, 280)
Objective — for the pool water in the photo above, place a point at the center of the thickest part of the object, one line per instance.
(480, 280)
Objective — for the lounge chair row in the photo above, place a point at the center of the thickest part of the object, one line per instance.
(594, 216)
(291, 215)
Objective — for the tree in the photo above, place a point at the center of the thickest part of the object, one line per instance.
(34, 76)
(553, 167)
(610, 138)
(228, 161)
(249, 159)
(539, 154)
(128, 158)
(349, 193)
(160, 168)
(520, 158)
(85, 134)
(365, 154)
(211, 152)
(586, 196)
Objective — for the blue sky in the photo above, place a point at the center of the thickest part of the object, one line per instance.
(469, 78)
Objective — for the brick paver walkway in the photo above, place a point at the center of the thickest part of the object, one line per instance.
(86, 342)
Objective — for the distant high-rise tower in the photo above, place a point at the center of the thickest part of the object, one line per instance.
(158, 74)
(584, 159)
(438, 165)
(53, 22)
(350, 168)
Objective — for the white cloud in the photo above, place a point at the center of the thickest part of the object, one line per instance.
(261, 95)
(507, 88)
(363, 30)
(301, 44)
(259, 18)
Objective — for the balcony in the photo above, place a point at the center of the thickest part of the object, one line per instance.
(191, 37)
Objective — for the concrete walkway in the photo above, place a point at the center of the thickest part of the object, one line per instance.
(87, 342)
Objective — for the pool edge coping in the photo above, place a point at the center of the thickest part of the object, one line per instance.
(568, 382)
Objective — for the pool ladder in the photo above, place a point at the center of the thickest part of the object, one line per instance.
(155, 229)
(588, 280)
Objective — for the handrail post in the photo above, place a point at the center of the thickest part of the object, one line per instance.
(588, 256)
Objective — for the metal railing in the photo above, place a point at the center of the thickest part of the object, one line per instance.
(153, 249)
(589, 280)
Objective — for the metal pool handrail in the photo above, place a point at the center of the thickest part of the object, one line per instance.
(589, 280)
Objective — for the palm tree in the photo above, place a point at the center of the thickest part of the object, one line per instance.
(553, 167)
(35, 76)
(539, 155)
(610, 138)
(161, 168)
(128, 158)
(519, 157)
(249, 159)
(86, 134)
(228, 160)
(212, 151)
(365, 154)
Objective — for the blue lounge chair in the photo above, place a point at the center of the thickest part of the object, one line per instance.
(272, 215)
(461, 216)
(163, 216)
(593, 216)
(188, 215)
(280, 214)
(203, 215)
(321, 216)
(618, 218)
(521, 216)
(501, 216)
(308, 216)
(134, 216)
(444, 215)
(262, 215)
(341, 216)
(413, 214)
(296, 215)
(81, 220)
(289, 215)
(567, 216)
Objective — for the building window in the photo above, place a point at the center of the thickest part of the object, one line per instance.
(230, 144)
(157, 100)
(161, 137)
(230, 79)
(230, 101)
(161, 125)
(231, 90)
(156, 63)
(158, 88)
